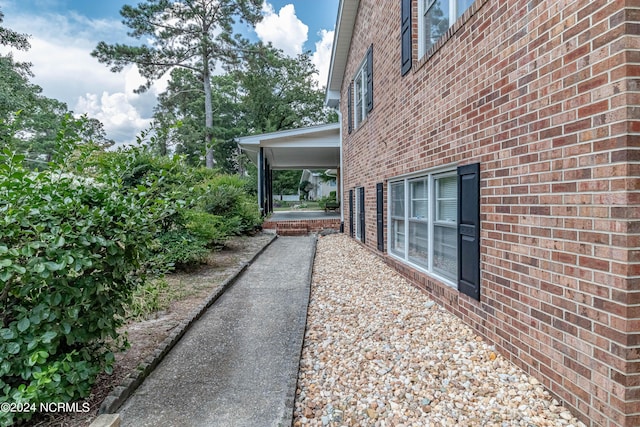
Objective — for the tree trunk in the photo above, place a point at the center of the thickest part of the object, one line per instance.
(208, 112)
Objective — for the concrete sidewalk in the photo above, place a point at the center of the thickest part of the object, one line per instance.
(237, 365)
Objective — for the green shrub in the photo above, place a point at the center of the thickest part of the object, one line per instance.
(181, 249)
(215, 230)
(249, 214)
(224, 196)
(222, 200)
(72, 251)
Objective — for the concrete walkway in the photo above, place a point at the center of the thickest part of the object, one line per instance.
(237, 365)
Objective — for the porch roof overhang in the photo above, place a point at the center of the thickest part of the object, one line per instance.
(315, 147)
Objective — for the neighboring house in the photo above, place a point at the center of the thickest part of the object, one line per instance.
(319, 187)
(491, 154)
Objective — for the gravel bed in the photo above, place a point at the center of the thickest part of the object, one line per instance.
(378, 352)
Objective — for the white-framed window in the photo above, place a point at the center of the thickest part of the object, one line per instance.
(434, 19)
(423, 215)
(397, 218)
(360, 95)
(360, 99)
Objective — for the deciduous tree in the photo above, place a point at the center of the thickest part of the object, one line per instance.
(12, 38)
(280, 92)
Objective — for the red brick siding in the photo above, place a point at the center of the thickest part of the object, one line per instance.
(545, 95)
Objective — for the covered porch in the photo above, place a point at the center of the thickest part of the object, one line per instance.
(314, 147)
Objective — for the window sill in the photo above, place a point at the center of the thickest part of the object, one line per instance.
(360, 125)
(431, 274)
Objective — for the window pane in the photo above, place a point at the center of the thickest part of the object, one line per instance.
(397, 236)
(419, 209)
(448, 187)
(397, 199)
(358, 98)
(462, 6)
(436, 22)
(419, 199)
(447, 210)
(364, 91)
(419, 243)
(447, 194)
(419, 189)
(445, 251)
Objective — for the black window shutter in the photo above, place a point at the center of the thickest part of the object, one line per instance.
(362, 232)
(469, 230)
(370, 79)
(350, 107)
(380, 215)
(351, 220)
(405, 32)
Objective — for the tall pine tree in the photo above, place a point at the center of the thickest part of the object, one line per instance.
(194, 34)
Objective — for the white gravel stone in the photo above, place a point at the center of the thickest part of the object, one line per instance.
(379, 352)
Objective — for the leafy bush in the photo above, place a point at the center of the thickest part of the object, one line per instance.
(72, 251)
(249, 214)
(214, 229)
(222, 199)
(224, 196)
(181, 249)
(192, 238)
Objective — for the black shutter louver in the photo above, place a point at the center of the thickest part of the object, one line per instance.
(469, 230)
(380, 215)
(405, 33)
(351, 221)
(370, 79)
(362, 231)
(350, 107)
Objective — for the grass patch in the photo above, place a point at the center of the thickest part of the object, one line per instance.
(152, 297)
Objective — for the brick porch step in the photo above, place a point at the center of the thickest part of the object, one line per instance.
(292, 231)
(301, 227)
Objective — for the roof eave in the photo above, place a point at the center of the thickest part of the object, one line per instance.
(347, 10)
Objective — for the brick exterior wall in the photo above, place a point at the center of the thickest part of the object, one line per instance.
(545, 95)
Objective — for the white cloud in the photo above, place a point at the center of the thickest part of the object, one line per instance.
(321, 58)
(121, 120)
(283, 29)
(63, 66)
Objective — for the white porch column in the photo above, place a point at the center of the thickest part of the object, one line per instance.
(261, 180)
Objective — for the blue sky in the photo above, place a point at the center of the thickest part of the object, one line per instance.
(64, 32)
